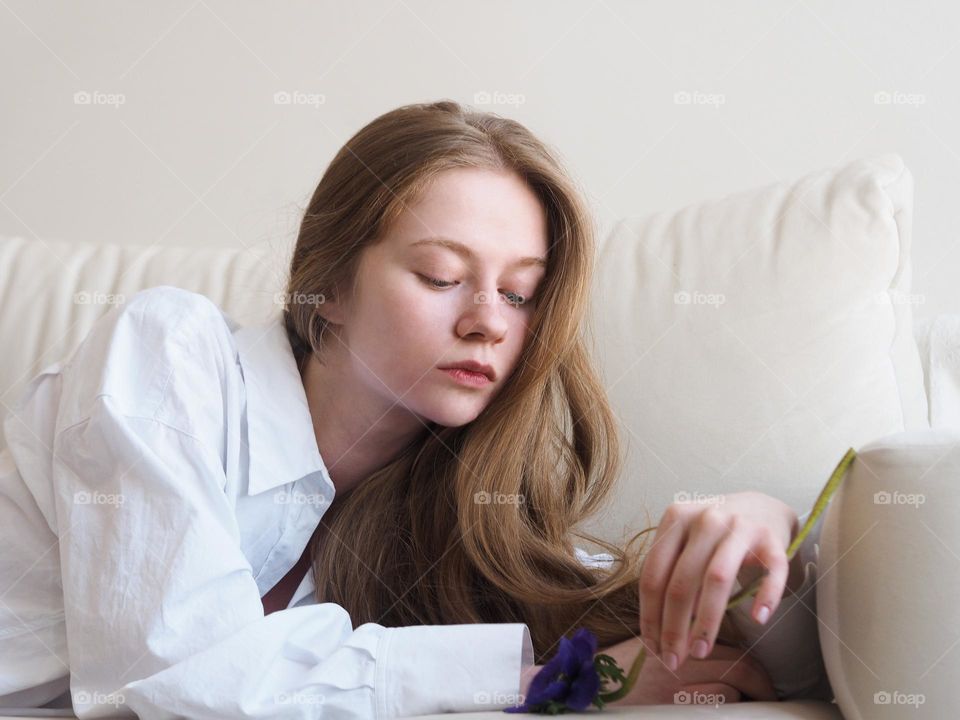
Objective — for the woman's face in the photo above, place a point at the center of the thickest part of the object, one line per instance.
(420, 306)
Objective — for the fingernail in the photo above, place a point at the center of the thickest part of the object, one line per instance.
(699, 649)
(763, 614)
(671, 661)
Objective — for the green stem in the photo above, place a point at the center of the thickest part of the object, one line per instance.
(818, 509)
(631, 678)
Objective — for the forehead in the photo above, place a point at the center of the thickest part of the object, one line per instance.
(493, 213)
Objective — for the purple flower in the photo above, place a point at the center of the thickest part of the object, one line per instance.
(568, 680)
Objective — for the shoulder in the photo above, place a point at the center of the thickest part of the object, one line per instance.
(165, 353)
(173, 312)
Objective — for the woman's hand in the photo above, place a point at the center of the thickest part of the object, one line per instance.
(697, 553)
(727, 671)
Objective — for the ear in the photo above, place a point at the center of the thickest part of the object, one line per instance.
(333, 309)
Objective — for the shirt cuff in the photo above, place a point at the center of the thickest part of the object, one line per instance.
(451, 668)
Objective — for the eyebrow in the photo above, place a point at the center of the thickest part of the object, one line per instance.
(463, 250)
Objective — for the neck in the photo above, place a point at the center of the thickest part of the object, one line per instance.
(357, 431)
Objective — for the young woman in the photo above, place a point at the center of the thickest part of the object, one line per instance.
(367, 506)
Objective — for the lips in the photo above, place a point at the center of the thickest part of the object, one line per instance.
(473, 366)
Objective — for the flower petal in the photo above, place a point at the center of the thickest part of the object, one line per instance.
(557, 690)
(584, 689)
(585, 642)
(571, 657)
(540, 687)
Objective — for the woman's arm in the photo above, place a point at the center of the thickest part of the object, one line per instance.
(162, 611)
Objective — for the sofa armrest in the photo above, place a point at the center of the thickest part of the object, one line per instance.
(889, 576)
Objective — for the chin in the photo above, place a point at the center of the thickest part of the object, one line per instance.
(453, 412)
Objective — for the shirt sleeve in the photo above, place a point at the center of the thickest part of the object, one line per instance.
(162, 612)
(788, 644)
(601, 560)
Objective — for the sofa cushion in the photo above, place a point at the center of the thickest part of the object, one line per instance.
(747, 342)
(53, 291)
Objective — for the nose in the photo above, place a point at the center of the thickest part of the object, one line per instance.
(483, 317)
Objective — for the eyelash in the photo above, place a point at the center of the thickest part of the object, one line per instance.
(445, 284)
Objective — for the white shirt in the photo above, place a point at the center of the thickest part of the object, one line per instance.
(186, 482)
(173, 456)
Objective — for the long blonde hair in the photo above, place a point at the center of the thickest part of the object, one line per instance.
(414, 544)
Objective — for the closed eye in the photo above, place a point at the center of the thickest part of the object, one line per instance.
(434, 282)
(515, 299)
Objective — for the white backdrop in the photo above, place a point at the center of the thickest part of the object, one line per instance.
(159, 122)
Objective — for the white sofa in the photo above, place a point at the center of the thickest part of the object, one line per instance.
(746, 342)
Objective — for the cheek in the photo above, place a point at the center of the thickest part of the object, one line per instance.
(402, 324)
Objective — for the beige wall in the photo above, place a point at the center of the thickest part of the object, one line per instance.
(199, 151)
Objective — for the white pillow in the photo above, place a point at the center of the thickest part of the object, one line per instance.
(55, 290)
(747, 342)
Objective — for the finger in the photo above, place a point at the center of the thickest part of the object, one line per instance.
(708, 694)
(654, 575)
(774, 557)
(707, 530)
(718, 583)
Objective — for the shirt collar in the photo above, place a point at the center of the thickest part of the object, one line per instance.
(280, 437)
